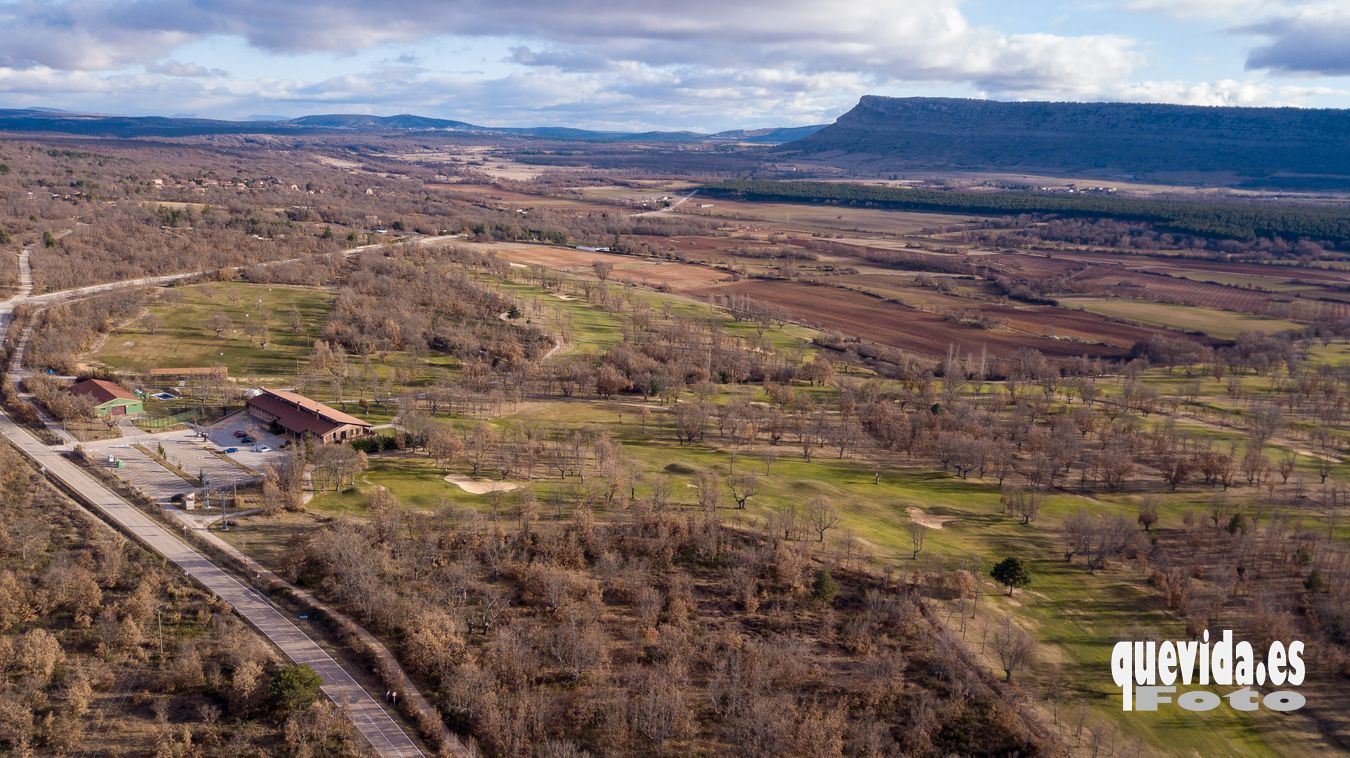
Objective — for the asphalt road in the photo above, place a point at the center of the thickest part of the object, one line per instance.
(370, 719)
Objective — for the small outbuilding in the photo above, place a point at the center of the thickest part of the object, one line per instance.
(108, 398)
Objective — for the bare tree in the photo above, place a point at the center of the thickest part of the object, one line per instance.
(444, 445)
(218, 322)
(917, 534)
(743, 487)
(1014, 647)
(709, 490)
(1148, 512)
(1287, 462)
(822, 516)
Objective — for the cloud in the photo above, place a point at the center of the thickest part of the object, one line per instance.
(176, 68)
(1299, 37)
(78, 37)
(570, 60)
(702, 64)
(930, 40)
(1230, 92)
(1224, 10)
(1310, 40)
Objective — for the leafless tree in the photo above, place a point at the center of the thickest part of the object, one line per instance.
(743, 487)
(917, 534)
(218, 322)
(1014, 648)
(822, 516)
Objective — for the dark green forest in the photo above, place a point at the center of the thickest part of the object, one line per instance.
(1233, 219)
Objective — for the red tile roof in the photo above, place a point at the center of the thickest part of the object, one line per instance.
(300, 414)
(100, 392)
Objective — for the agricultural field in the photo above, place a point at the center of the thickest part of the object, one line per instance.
(926, 333)
(1203, 294)
(1224, 325)
(680, 277)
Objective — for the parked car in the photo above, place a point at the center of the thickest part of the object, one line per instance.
(261, 449)
(240, 434)
(231, 449)
(246, 440)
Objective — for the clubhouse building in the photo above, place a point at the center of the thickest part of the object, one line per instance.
(302, 418)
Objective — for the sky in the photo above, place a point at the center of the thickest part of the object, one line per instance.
(704, 65)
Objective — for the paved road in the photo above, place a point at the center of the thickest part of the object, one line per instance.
(370, 719)
(48, 298)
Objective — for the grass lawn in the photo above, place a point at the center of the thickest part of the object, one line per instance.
(415, 480)
(184, 339)
(1216, 323)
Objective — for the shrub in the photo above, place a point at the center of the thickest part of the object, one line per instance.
(293, 689)
(824, 587)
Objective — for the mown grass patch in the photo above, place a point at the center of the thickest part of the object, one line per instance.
(184, 336)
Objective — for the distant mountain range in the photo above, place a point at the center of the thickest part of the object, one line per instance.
(1294, 147)
(50, 120)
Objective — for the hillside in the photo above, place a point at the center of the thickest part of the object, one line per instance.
(1291, 146)
(100, 125)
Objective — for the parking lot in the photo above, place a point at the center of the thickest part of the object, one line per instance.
(224, 434)
(205, 458)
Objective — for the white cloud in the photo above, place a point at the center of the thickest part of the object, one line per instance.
(641, 63)
(1249, 92)
(1231, 11)
(928, 40)
(1297, 36)
(1311, 39)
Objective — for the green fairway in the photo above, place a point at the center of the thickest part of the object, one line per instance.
(184, 336)
(416, 481)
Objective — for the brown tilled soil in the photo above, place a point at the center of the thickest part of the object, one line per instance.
(1126, 283)
(858, 315)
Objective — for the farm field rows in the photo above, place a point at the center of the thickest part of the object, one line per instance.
(1200, 293)
(1225, 325)
(924, 333)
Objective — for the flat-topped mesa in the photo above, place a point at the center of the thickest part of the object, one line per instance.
(1140, 140)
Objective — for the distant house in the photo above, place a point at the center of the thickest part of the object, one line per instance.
(302, 418)
(109, 399)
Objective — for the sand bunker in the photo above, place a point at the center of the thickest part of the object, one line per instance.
(932, 522)
(563, 297)
(480, 486)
